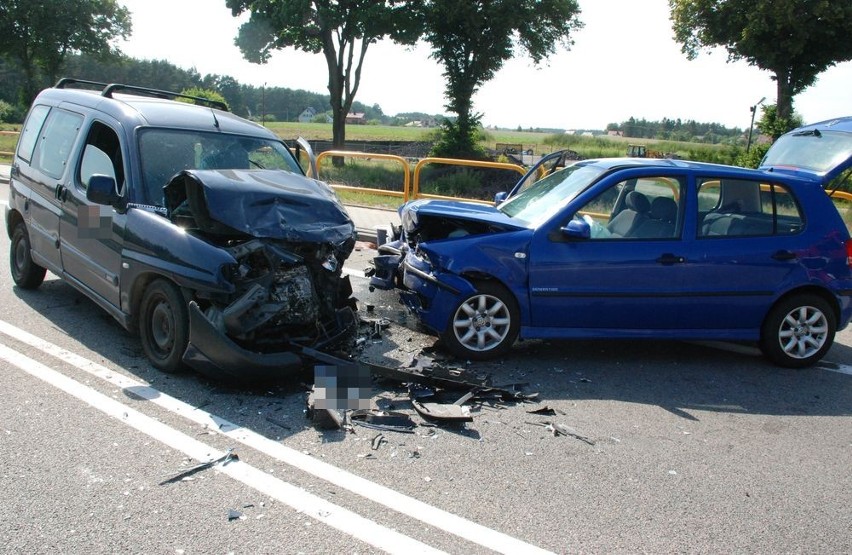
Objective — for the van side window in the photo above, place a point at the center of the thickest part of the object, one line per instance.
(56, 141)
(30, 134)
(102, 156)
(747, 208)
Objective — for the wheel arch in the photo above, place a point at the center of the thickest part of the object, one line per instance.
(13, 218)
(137, 291)
(521, 301)
(821, 292)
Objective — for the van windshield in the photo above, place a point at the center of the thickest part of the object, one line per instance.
(166, 152)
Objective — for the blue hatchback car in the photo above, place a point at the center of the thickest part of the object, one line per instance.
(640, 248)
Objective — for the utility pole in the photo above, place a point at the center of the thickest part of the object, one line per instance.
(263, 105)
(751, 125)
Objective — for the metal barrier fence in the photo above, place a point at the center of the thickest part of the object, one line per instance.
(411, 189)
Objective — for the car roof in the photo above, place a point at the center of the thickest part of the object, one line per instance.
(843, 124)
(136, 111)
(689, 165)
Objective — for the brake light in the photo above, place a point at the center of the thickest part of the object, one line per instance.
(849, 252)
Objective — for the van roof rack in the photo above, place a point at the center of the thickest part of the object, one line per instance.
(107, 90)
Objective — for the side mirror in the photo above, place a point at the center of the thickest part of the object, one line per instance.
(500, 197)
(577, 228)
(102, 190)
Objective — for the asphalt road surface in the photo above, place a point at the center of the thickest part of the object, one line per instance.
(691, 448)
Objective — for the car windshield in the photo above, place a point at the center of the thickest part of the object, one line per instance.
(816, 151)
(166, 152)
(545, 197)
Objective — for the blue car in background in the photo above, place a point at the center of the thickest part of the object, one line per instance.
(640, 248)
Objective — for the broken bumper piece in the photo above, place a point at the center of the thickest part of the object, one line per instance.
(215, 355)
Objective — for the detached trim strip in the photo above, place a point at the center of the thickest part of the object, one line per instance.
(429, 277)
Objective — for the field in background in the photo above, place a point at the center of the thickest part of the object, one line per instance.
(540, 143)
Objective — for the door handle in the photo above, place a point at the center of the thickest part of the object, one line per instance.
(783, 255)
(61, 193)
(668, 259)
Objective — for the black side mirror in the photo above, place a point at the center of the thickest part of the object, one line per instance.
(102, 190)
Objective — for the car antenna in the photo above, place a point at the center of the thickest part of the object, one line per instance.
(215, 119)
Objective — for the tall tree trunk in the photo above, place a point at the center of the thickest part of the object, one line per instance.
(784, 102)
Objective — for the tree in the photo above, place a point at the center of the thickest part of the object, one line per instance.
(796, 40)
(472, 39)
(201, 92)
(39, 35)
(772, 125)
(342, 31)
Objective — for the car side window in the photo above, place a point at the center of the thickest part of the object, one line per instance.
(643, 208)
(744, 208)
(56, 141)
(30, 133)
(102, 156)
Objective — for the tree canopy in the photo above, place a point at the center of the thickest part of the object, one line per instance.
(796, 40)
(473, 39)
(341, 31)
(39, 35)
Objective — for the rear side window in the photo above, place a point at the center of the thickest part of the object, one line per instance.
(734, 207)
(57, 139)
(30, 134)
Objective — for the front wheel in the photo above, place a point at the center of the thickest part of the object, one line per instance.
(484, 325)
(798, 331)
(25, 272)
(164, 325)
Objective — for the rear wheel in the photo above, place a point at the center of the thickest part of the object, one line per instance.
(484, 325)
(798, 331)
(25, 272)
(164, 325)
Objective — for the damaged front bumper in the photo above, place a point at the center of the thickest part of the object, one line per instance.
(431, 295)
(215, 355)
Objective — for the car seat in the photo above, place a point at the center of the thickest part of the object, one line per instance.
(631, 217)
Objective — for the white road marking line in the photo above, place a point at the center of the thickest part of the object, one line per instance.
(317, 508)
(834, 367)
(353, 272)
(409, 506)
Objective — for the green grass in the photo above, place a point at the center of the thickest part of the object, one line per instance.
(8, 142)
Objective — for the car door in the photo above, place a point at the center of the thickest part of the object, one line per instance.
(91, 234)
(747, 239)
(623, 277)
(45, 149)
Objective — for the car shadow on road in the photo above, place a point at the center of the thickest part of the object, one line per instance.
(274, 409)
(683, 378)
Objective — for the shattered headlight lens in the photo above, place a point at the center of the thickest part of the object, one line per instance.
(330, 263)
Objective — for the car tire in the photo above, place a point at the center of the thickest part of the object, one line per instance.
(164, 325)
(798, 331)
(483, 325)
(25, 272)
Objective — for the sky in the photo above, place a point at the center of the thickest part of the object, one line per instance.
(624, 63)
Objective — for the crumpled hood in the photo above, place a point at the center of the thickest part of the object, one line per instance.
(412, 213)
(262, 203)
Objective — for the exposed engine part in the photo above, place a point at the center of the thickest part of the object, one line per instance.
(431, 228)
